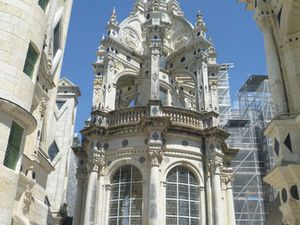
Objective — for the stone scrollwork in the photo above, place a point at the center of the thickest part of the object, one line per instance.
(28, 196)
(290, 220)
(130, 37)
(98, 160)
(227, 177)
(155, 155)
(43, 105)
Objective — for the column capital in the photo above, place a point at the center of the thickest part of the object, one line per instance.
(228, 178)
(155, 154)
(265, 22)
(98, 158)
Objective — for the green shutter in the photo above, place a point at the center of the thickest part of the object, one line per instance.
(30, 61)
(13, 147)
(43, 4)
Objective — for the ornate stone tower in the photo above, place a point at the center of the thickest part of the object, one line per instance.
(153, 152)
(280, 23)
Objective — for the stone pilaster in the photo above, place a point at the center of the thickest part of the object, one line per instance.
(202, 88)
(227, 178)
(94, 160)
(98, 93)
(276, 80)
(155, 47)
(110, 87)
(81, 176)
(99, 160)
(155, 155)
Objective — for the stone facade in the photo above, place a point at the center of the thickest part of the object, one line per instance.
(280, 24)
(153, 152)
(32, 41)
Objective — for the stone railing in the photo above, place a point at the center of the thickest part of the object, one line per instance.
(132, 116)
(126, 116)
(183, 117)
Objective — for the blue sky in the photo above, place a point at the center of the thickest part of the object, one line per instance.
(236, 37)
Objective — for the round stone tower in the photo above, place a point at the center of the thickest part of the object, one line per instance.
(153, 152)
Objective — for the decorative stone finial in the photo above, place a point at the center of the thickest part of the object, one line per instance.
(113, 18)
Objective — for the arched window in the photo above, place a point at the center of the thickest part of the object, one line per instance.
(126, 197)
(182, 197)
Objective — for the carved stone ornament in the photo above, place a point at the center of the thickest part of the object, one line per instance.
(227, 178)
(43, 105)
(289, 220)
(28, 196)
(115, 66)
(98, 82)
(155, 155)
(130, 37)
(99, 160)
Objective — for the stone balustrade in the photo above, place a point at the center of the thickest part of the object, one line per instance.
(133, 116)
(183, 117)
(126, 116)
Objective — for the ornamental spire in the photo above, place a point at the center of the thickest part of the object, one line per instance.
(113, 18)
(200, 22)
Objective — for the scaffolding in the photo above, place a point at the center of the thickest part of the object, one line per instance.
(251, 195)
(224, 93)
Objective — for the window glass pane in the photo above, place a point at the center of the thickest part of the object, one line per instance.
(126, 174)
(172, 175)
(43, 4)
(182, 197)
(183, 208)
(112, 222)
(194, 193)
(114, 191)
(30, 61)
(60, 104)
(183, 192)
(194, 221)
(136, 207)
(136, 190)
(182, 175)
(13, 146)
(171, 207)
(194, 209)
(53, 151)
(114, 208)
(193, 179)
(171, 191)
(126, 197)
(171, 220)
(124, 221)
(136, 221)
(125, 190)
(163, 95)
(56, 39)
(183, 221)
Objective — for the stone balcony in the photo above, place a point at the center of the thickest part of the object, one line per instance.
(179, 118)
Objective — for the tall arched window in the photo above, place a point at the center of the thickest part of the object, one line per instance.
(182, 197)
(126, 197)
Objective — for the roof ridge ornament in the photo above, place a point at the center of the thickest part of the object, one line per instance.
(113, 18)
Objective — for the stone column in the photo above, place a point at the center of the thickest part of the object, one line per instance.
(91, 190)
(202, 87)
(217, 193)
(81, 178)
(99, 160)
(155, 47)
(155, 155)
(230, 204)
(276, 81)
(109, 90)
(228, 180)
